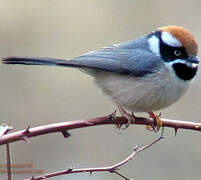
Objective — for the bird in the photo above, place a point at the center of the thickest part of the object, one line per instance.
(145, 74)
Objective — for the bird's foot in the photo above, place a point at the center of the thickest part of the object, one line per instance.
(158, 123)
(130, 117)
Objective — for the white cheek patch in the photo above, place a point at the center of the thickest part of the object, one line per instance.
(154, 45)
(167, 38)
(189, 64)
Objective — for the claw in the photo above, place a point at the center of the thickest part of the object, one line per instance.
(157, 119)
(130, 117)
(151, 128)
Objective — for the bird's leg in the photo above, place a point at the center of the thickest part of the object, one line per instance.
(128, 116)
(157, 119)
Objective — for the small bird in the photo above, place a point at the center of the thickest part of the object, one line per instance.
(146, 74)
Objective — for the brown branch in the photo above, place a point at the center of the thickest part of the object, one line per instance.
(64, 127)
(112, 169)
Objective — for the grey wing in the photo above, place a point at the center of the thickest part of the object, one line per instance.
(104, 59)
(123, 60)
(135, 62)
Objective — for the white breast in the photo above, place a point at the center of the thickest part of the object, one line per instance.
(143, 94)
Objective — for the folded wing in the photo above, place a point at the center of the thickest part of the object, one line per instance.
(114, 59)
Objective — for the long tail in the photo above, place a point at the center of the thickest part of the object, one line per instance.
(96, 60)
(42, 61)
(33, 61)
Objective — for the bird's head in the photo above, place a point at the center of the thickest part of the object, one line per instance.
(178, 49)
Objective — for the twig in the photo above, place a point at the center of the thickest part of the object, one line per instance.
(64, 127)
(112, 169)
(9, 175)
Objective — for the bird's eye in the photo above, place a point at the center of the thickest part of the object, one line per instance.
(177, 53)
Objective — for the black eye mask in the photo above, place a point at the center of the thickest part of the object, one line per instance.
(170, 53)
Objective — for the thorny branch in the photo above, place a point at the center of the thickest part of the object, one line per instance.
(64, 127)
(112, 169)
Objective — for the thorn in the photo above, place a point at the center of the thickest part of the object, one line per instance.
(26, 132)
(65, 134)
(175, 131)
(69, 169)
(135, 148)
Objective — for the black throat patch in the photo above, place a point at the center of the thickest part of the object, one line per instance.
(184, 72)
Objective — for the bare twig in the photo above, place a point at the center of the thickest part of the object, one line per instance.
(9, 175)
(112, 169)
(64, 127)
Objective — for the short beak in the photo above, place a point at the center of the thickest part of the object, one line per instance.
(193, 59)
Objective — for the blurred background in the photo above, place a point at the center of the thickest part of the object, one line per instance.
(34, 96)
